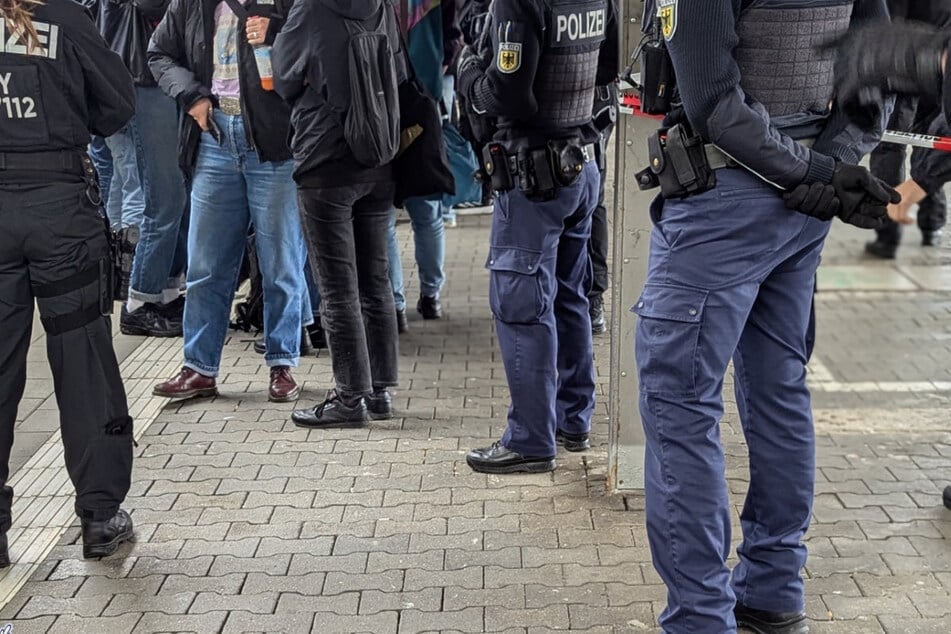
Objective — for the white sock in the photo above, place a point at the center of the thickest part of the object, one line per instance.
(133, 305)
(169, 295)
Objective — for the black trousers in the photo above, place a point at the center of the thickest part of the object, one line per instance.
(51, 233)
(346, 229)
(887, 162)
(598, 244)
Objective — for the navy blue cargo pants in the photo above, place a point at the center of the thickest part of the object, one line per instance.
(731, 275)
(540, 274)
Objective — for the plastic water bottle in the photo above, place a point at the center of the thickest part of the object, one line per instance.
(262, 57)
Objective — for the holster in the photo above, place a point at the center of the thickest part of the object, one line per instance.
(678, 163)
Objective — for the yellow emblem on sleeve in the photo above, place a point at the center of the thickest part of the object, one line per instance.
(510, 57)
(667, 12)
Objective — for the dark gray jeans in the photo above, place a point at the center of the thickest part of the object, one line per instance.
(346, 229)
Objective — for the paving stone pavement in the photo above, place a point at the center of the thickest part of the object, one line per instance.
(247, 524)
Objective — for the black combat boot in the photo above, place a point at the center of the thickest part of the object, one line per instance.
(101, 539)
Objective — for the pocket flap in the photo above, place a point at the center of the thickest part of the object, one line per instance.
(660, 301)
(513, 259)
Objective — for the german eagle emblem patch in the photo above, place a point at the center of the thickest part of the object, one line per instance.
(510, 57)
(667, 13)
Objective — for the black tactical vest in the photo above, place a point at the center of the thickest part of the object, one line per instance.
(564, 84)
(779, 64)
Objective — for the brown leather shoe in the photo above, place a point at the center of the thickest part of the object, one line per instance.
(283, 387)
(187, 384)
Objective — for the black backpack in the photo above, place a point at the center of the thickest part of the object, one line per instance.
(372, 125)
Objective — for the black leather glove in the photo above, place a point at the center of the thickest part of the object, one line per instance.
(885, 57)
(863, 199)
(815, 199)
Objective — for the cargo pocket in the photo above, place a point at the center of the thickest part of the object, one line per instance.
(667, 340)
(515, 292)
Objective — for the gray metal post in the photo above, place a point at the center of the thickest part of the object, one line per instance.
(631, 238)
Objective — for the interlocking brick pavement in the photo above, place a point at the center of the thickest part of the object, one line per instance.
(248, 524)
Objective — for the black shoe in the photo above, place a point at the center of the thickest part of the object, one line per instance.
(260, 344)
(379, 405)
(4, 551)
(429, 307)
(596, 310)
(101, 539)
(499, 459)
(148, 321)
(573, 442)
(763, 622)
(317, 335)
(174, 311)
(401, 324)
(930, 238)
(333, 412)
(882, 250)
(947, 496)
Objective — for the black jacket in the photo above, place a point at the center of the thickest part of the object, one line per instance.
(311, 72)
(70, 88)
(127, 26)
(180, 56)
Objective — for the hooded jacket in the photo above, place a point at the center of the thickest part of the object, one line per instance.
(181, 58)
(127, 25)
(311, 73)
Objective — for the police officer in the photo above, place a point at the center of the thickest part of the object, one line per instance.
(58, 84)
(910, 59)
(731, 275)
(539, 80)
(913, 114)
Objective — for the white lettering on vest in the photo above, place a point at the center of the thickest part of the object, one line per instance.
(580, 25)
(5, 83)
(11, 42)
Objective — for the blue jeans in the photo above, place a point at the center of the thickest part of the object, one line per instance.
(448, 100)
(731, 275)
(160, 256)
(102, 159)
(539, 275)
(429, 235)
(233, 188)
(126, 202)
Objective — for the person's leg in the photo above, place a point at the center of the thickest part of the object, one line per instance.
(703, 280)
(576, 376)
(396, 274)
(216, 242)
(70, 283)
(126, 173)
(163, 186)
(328, 226)
(776, 414)
(16, 315)
(371, 219)
(430, 242)
(272, 198)
(448, 101)
(598, 246)
(887, 162)
(102, 160)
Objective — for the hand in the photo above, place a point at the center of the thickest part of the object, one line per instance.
(200, 111)
(256, 29)
(815, 199)
(911, 194)
(885, 57)
(862, 197)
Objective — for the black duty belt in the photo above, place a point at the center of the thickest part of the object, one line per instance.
(70, 161)
(587, 150)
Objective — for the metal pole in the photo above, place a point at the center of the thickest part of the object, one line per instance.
(631, 238)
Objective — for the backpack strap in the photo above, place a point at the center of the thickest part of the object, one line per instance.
(238, 9)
